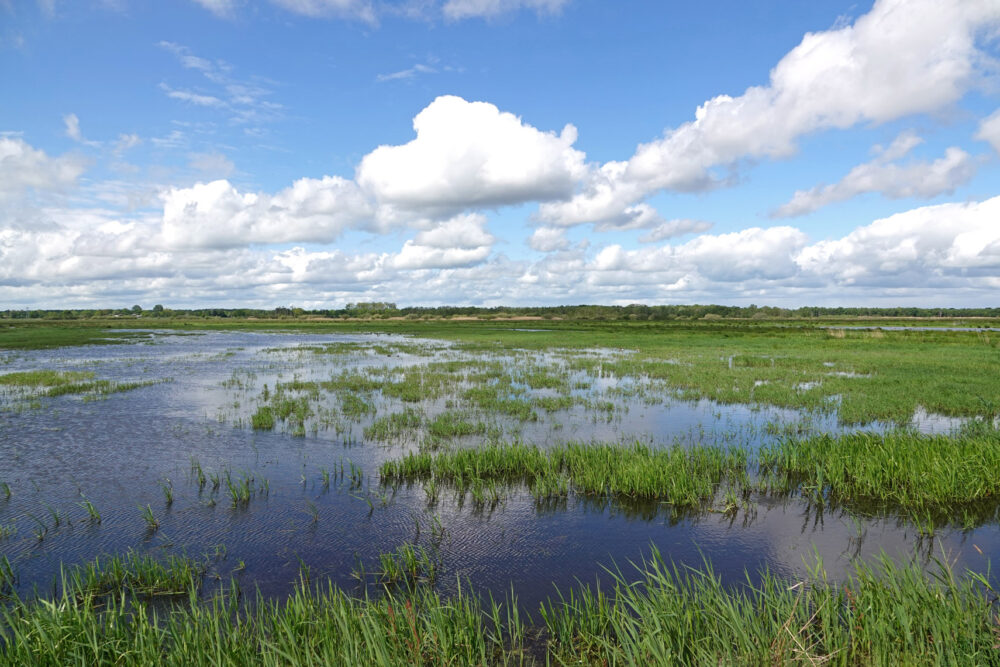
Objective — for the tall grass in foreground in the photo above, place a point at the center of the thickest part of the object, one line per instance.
(884, 614)
(685, 476)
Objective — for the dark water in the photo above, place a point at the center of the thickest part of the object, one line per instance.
(116, 452)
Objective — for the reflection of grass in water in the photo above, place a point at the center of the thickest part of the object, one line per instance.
(883, 614)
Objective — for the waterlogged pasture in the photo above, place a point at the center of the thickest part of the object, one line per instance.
(499, 462)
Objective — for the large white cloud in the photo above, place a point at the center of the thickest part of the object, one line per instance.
(23, 166)
(217, 215)
(469, 155)
(904, 57)
(895, 181)
(923, 246)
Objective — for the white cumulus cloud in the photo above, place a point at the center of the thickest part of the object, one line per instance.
(914, 247)
(548, 239)
(23, 166)
(895, 181)
(217, 215)
(471, 155)
(904, 57)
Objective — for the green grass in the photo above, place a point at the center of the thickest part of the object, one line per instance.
(409, 565)
(684, 477)
(98, 387)
(262, 419)
(454, 425)
(395, 426)
(884, 614)
(47, 335)
(863, 375)
(953, 478)
(136, 573)
(45, 378)
(60, 383)
(904, 469)
(313, 626)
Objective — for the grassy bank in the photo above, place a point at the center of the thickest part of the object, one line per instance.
(884, 614)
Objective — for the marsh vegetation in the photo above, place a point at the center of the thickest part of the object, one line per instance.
(466, 494)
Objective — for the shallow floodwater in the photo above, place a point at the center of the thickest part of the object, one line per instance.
(119, 452)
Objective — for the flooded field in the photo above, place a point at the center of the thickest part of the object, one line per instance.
(477, 493)
(270, 455)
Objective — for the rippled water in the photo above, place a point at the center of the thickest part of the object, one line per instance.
(116, 452)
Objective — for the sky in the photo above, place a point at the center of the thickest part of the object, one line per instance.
(313, 153)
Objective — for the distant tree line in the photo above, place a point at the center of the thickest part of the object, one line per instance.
(385, 310)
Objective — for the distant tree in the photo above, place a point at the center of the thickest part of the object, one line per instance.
(158, 308)
(137, 309)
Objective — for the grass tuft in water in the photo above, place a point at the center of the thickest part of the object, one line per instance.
(683, 476)
(93, 516)
(137, 573)
(906, 469)
(152, 523)
(262, 419)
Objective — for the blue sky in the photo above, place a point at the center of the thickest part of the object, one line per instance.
(316, 152)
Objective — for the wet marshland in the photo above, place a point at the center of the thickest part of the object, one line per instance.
(263, 451)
